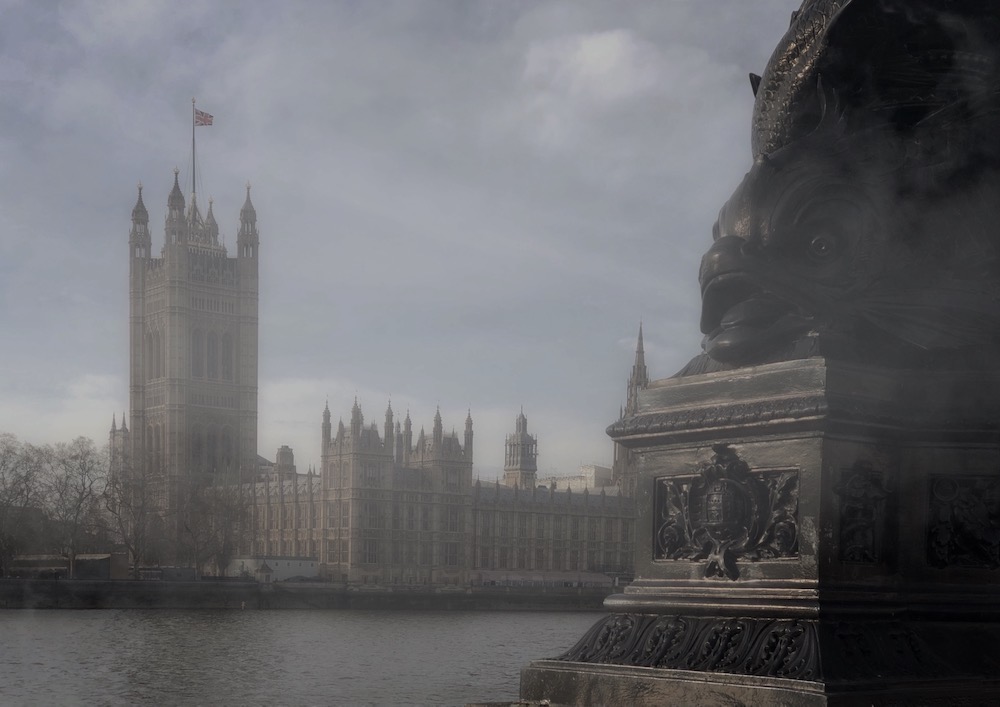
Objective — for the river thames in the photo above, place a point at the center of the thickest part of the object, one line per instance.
(220, 657)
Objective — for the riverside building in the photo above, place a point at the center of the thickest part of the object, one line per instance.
(386, 506)
(389, 509)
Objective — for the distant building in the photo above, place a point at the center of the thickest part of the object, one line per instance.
(520, 464)
(266, 569)
(525, 530)
(590, 476)
(385, 506)
(386, 509)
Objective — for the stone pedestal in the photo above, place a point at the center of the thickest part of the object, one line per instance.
(809, 533)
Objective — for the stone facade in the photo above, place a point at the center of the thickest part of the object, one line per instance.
(387, 510)
(527, 531)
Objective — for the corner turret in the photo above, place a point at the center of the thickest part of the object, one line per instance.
(139, 239)
(248, 240)
(175, 222)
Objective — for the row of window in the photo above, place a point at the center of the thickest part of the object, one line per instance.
(212, 355)
(552, 560)
(213, 305)
(502, 523)
(372, 553)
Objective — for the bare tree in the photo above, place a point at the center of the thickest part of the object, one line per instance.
(20, 495)
(131, 504)
(214, 520)
(76, 473)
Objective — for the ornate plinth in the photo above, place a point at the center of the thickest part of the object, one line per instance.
(809, 532)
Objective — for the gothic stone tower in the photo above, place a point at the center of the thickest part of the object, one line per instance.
(624, 470)
(520, 464)
(193, 351)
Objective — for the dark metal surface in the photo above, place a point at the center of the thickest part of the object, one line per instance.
(867, 225)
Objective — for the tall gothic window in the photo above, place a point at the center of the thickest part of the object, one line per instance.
(212, 355)
(161, 346)
(197, 354)
(227, 357)
(150, 371)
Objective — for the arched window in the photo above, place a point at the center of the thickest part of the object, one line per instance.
(227, 357)
(197, 354)
(212, 355)
(149, 357)
(161, 347)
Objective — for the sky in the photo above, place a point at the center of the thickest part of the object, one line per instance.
(462, 204)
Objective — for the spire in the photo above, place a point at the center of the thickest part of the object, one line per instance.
(175, 202)
(640, 354)
(176, 230)
(639, 379)
(438, 429)
(326, 427)
(194, 215)
(521, 424)
(114, 427)
(139, 214)
(248, 214)
(124, 428)
(211, 225)
(389, 440)
(247, 240)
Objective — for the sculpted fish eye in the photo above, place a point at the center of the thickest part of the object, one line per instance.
(824, 246)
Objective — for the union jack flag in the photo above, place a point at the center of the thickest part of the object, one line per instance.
(202, 118)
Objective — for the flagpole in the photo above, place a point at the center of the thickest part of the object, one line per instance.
(194, 168)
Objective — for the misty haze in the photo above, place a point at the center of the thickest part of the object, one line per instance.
(356, 352)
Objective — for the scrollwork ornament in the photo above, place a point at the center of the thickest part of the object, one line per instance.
(726, 513)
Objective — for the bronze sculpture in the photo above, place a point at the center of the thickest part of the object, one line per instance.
(866, 228)
(819, 489)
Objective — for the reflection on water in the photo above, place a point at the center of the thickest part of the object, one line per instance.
(274, 657)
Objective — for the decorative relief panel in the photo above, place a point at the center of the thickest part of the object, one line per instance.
(964, 522)
(726, 514)
(862, 513)
(782, 648)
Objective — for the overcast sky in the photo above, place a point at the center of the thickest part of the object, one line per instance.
(461, 204)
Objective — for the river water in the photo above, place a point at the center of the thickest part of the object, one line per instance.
(219, 657)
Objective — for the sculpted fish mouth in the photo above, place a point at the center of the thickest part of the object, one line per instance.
(740, 319)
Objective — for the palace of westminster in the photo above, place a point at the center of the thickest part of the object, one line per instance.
(386, 506)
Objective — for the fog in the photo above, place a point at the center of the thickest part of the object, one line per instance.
(464, 205)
